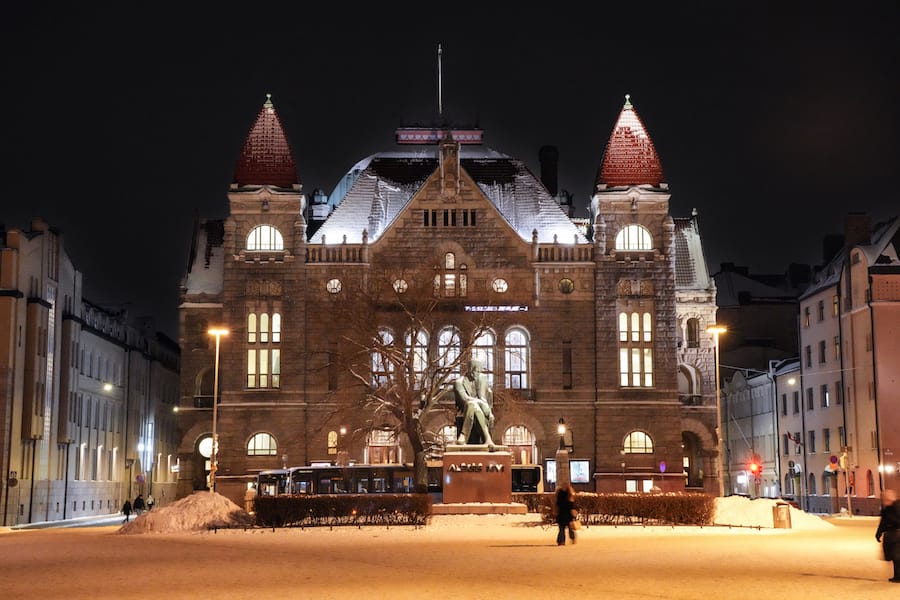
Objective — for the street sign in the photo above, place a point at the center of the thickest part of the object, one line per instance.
(833, 459)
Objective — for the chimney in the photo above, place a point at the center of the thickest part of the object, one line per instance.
(549, 157)
(857, 229)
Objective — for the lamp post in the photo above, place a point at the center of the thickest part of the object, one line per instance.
(218, 332)
(717, 330)
(562, 457)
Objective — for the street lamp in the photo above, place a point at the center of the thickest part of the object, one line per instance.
(218, 332)
(562, 457)
(718, 330)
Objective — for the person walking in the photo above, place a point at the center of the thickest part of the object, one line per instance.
(565, 514)
(126, 509)
(150, 502)
(887, 532)
(139, 505)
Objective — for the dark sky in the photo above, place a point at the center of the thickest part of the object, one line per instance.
(120, 124)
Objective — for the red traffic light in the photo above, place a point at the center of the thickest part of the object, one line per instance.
(755, 468)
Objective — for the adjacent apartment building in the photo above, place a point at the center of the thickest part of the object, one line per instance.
(86, 395)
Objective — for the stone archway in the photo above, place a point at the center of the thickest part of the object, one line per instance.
(700, 449)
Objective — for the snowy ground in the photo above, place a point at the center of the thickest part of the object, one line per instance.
(456, 556)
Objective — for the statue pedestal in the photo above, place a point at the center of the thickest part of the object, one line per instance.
(473, 473)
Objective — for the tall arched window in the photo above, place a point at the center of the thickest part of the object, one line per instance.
(693, 333)
(262, 444)
(638, 442)
(483, 350)
(263, 238)
(516, 355)
(452, 281)
(416, 347)
(263, 350)
(634, 237)
(520, 441)
(448, 351)
(635, 348)
(382, 363)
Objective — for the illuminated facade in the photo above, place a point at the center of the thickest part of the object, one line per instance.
(602, 322)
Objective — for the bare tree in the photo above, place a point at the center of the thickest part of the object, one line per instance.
(403, 346)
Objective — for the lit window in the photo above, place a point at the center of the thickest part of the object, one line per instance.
(263, 350)
(400, 285)
(500, 285)
(333, 286)
(382, 363)
(635, 349)
(262, 444)
(517, 350)
(417, 353)
(448, 352)
(566, 285)
(452, 280)
(483, 351)
(634, 237)
(265, 237)
(638, 442)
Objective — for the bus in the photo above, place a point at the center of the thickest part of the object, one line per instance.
(372, 479)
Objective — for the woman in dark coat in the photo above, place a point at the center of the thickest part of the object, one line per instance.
(565, 514)
(887, 532)
(126, 510)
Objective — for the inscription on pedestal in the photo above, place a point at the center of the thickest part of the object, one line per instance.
(476, 476)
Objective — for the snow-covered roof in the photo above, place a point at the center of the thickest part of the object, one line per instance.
(381, 185)
(690, 263)
(207, 261)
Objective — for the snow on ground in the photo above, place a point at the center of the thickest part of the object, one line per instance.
(202, 511)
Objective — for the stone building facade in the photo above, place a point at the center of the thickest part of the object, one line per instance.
(86, 395)
(603, 327)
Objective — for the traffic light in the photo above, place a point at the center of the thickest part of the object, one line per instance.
(755, 469)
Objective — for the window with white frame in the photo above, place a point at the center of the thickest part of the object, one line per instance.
(416, 348)
(638, 442)
(263, 238)
(483, 351)
(635, 348)
(263, 350)
(262, 444)
(634, 237)
(448, 352)
(516, 358)
(382, 357)
(452, 279)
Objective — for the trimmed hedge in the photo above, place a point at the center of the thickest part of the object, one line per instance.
(343, 509)
(675, 508)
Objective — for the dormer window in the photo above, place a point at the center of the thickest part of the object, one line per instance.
(265, 238)
(634, 237)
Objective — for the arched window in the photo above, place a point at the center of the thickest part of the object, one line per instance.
(382, 447)
(382, 365)
(448, 351)
(520, 441)
(417, 353)
(693, 333)
(263, 350)
(262, 444)
(452, 281)
(483, 351)
(634, 237)
(638, 442)
(263, 238)
(635, 349)
(517, 349)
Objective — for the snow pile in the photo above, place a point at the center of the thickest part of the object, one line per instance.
(742, 511)
(198, 512)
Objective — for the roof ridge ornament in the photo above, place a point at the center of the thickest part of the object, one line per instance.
(628, 105)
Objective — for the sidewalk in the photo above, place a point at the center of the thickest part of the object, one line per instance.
(93, 521)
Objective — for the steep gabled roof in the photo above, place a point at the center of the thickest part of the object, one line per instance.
(630, 157)
(386, 182)
(266, 158)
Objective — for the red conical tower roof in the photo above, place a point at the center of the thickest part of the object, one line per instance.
(266, 158)
(630, 157)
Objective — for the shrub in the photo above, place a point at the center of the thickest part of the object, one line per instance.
(343, 509)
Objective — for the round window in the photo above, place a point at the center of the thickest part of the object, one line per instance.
(333, 286)
(500, 285)
(400, 285)
(566, 285)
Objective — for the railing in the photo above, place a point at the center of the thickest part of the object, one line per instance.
(564, 253)
(336, 254)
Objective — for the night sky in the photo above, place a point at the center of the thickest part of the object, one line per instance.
(121, 125)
